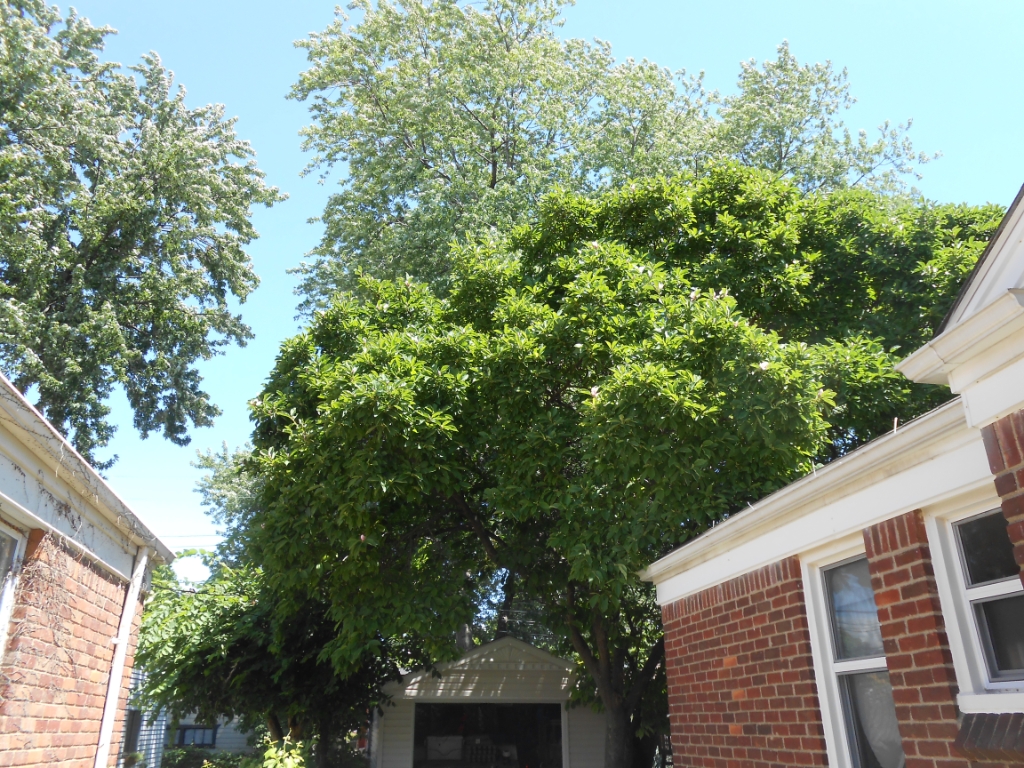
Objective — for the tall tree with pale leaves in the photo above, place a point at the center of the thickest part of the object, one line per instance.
(449, 119)
(124, 216)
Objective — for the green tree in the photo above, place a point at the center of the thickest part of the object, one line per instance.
(217, 649)
(452, 119)
(123, 220)
(589, 393)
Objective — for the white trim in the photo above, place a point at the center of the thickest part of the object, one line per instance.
(124, 631)
(935, 362)
(995, 703)
(10, 585)
(996, 589)
(870, 664)
(997, 268)
(819, 624)
(41, 439)
(924, 462)
(565, 735)
(31, 520)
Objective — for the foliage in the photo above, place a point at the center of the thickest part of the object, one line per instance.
(281, 754)
(568, 413)
(197, 757)
(123, 220)
(453, 119)
(217, 650)
(876, 273)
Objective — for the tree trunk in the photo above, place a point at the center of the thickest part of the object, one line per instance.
(274, 726)
(618, 739)
(323, 744)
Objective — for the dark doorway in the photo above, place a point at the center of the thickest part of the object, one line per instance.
(488, 736)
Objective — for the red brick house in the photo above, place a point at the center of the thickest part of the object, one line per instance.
(74, 565)
(871, 615)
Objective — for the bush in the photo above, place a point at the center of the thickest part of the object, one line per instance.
(197, 757)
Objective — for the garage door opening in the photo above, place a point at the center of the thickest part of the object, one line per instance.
(488, 736)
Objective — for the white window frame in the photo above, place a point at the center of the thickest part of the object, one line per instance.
(826, 669)
(978, 691)
(10, 583)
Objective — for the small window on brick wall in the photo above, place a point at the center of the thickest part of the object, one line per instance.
(857, 662)
(994, 591)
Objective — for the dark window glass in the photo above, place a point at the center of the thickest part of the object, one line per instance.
(1002, 623)
(197, 736)
(8, 546)
(871, 721)
(986, 548)
(854, 615)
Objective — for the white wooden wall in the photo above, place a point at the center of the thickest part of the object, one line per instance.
(396, 735)
(586, 738)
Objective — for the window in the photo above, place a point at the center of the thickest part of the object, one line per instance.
(8, 549)
(197, 736)
(857, 661)
(994, 591)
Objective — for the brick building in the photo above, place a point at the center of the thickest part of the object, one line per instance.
(872, 614)
(74, 565)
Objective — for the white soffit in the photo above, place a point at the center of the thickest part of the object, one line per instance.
(39, 437)
(929, 459)
(1000, 268)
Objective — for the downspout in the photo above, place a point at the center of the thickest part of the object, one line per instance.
(124, 631)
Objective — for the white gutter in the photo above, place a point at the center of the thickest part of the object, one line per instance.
(124, 631)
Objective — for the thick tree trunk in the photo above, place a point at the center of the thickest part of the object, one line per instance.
(618, 739)
(323, 745)
(274, 726)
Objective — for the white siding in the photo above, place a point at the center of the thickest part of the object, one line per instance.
(586, 738)
(396, 735)
(231, 739)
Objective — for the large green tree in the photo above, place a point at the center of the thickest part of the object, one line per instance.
(450, 119)
(590, 392)
(124, 216)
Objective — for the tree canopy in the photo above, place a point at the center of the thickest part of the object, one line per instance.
(451, 119)
(588, 393)
(124, 217)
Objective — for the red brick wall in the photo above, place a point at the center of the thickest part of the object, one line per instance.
(916, 648)
(740, 674)
(54, 673)
(1004, 443)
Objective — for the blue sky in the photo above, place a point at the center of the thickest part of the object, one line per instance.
(948, 65)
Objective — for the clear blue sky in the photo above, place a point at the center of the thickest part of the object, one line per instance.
(948, 65)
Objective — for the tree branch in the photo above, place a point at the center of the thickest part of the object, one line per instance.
(654, 660)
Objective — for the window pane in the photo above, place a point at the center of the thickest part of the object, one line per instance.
(8, 544)
(854, 615)
(871, 721)
(986, 547)
(1002, 623)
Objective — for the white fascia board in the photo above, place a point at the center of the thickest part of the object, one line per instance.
(927, 460)
(19, 417)
(938, 360)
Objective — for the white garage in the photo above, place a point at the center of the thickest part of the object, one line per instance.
(502, 705)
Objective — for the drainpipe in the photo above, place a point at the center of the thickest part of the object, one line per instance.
(124, 631)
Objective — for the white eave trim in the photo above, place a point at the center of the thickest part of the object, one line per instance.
(907, 446)
(933, 363)
(41, 438)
